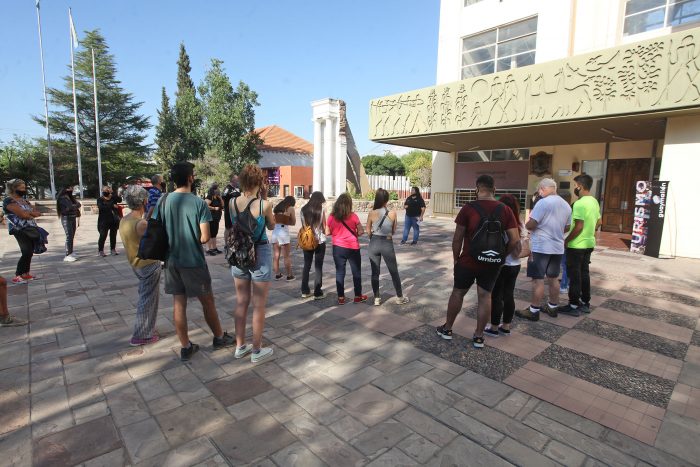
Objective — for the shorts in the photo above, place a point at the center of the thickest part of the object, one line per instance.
(485, 278)
(262, 272)
(280, 235)
(543, 264)
(192, 282)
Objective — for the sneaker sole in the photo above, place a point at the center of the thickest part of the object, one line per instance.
(447, 338)
(236, 356)
(477, 346)
(260, 359)
(491, 335)
(320, 297)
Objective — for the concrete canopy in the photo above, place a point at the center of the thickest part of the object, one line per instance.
(619, 94)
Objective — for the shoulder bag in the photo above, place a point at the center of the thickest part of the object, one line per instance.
(154, 243)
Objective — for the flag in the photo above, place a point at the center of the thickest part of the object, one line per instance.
(72, 28)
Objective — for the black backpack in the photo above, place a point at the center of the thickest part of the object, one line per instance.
(488, 245)
(154, 243)
(240, 246)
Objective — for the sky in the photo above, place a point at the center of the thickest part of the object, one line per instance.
(289, 52)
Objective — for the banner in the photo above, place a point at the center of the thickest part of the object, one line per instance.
(649, 214)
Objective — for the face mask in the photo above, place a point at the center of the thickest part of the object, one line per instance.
(21, 192)
(577, 191)
(106, 194)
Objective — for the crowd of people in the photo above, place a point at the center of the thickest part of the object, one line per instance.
(554, 235)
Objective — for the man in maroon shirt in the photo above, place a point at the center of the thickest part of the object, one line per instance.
(466, 269)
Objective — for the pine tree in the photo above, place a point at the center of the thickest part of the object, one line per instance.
(188, 113)
(122, 128)
(166, 135)
(229, 118)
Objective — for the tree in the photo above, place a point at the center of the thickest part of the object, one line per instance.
(122, 128)
(229, 118)
(28, 160)
(188, 113)
(388, 164)
(419, 167)
(166, 135)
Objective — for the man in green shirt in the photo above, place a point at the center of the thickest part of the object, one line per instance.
(585, 218)
(186, 218)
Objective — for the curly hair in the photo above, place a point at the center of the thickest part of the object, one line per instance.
(251, 177)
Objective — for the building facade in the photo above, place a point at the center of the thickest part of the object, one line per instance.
(533, 88)
(287, 161)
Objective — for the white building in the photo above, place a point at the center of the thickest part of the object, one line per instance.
(611, 88)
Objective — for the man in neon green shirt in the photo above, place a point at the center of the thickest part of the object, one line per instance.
(585, 218)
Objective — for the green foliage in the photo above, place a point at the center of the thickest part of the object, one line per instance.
(419, 167)
(371, 195)
(393, 196)
(166, 135)
(188, 113)
(122, 128)
(229, 119)
(25, 159)
(388, 164)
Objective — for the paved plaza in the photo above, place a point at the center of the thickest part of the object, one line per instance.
(353, 384)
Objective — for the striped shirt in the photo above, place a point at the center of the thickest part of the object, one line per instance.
(154, 195)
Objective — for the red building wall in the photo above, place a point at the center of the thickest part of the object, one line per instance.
(292, 176)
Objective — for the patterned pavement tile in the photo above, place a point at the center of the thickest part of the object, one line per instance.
(652, 313)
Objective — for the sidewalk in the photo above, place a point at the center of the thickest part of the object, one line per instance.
(351, 385)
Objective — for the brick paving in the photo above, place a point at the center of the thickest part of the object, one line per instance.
(354, 384)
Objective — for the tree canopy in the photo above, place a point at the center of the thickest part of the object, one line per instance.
(419, 167)
(388, 164)
(122, 127)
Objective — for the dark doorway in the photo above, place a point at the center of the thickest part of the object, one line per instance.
(618, 207)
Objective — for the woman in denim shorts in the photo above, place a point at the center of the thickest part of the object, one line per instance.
(253, 282)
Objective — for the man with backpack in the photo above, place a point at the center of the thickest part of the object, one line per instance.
(486, 233)
(549, 219)
(186, 218)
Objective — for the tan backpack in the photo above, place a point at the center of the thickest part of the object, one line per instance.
(306, 239)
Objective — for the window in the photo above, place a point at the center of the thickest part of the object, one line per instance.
(286, 190)
(495, 155)
(298, 191)
(509, 46)
(465, 195)
(647, 15)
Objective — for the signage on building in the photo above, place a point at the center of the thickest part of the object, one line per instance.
(649, 215)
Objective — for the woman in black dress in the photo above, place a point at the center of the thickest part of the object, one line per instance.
(107, 220)
(216, 206)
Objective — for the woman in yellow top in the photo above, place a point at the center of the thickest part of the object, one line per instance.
(131, 229)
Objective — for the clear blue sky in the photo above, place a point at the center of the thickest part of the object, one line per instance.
(290, 52)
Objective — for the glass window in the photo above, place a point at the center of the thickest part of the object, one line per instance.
(472, 156)
(495, 155)
(647, 15)
(509, 46)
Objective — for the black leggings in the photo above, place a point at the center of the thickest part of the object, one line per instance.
(104, 230)
(26, 246)
(341, 256)
(502, 301)
(382, 247)
(315, 256)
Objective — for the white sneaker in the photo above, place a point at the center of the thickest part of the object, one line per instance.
(402, 300)
(261, 355)
(242, 351)
(377, 301)
(70, 259)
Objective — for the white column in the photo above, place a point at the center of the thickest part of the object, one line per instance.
(328, 158)
(341, 151)
(318, 156)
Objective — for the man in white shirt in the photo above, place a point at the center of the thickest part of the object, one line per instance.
(549, 220)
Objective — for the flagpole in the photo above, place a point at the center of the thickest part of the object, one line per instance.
(97, 123)
(46, 105)
(75, 105)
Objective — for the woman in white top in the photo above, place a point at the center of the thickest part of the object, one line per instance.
(381, 223)
(284, 217)
(313, 214)
(502, 300)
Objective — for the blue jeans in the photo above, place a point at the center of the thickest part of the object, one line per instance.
(342, 256)
(564, 276)
(407, 224)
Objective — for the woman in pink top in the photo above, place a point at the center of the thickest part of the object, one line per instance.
(345, 228)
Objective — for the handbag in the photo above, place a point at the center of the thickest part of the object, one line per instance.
(525, 248)
(154, 243)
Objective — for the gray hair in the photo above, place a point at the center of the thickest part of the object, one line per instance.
(135, 196)
(12, 185)
(548, 183)
(157, 179)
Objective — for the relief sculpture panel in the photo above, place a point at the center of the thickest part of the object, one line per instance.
(654, 75)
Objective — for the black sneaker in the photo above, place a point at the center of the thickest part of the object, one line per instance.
(478, 342)
(403, 242)
(413, 243)
(211, 253)
(444, 333)
(584, 307)
(186, 353)
(493, 332)
(569, 310)
(224, 341)
(528, 314)
(502, 330)
(551, 311)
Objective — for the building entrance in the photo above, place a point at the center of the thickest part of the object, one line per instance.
(618, 207)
